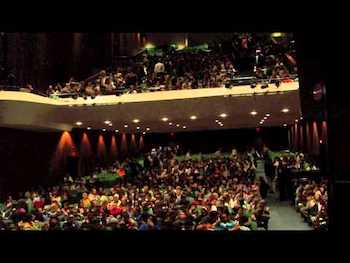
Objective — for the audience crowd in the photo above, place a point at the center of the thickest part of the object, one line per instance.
(266, 59)
(311, 200)
(167, 193)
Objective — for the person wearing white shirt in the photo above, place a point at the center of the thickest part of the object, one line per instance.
(159, 68)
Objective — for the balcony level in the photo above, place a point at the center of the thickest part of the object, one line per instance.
(160, 111)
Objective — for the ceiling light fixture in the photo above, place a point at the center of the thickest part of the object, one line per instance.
(125, 126)
(216, 120)
(285, 110)
(107, 122)
(110, 124)
(184, 127)
(135, 120)
(177, 125)
(89, 128)
(267, 114)
(170, 123)
(144, 133)
(165, 119)
(193, 117)
(137, 128)
(116, 130)
(253, 113)
(223, 115)
(285, 125)
(103, 129)
(147, 129)
(78, 123)
(265, 118)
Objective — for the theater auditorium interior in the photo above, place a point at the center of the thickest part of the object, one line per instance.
(167, 131)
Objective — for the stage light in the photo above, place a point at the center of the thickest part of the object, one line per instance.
(223, 115)
(79, 123)
(193, 117)
(149, 46)
(285, 110)
(136, 121)
(170, 123)
(165, 119)
(147, 129)
(180, 46)
(125, 126)
(253, 113)
(107, 122)
(277, 34)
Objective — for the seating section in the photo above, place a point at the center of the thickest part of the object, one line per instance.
(161, 191)
(248, 59)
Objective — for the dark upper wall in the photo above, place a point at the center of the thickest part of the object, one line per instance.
(44, 58)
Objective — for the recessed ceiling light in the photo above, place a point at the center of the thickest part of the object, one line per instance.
(285, 110)
(170, 123)
(110, 124)
(107, 122)
(137, 127)
(103, 129)
(78, 123)
(261, 122)
(285, 125)
(216, 120)
(135, 120)
(165, 119)
(125, 126)
(267, 114)
(144, 133)
(193, 117)
(184, 127)
(221, 124)
(253, 113)
(223, 115)
(301, 118)
(177, 125)
(89, 128)
(296, 120)
(147, 129)
(265, 118)
(116, 130)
